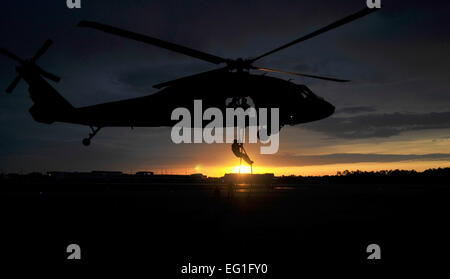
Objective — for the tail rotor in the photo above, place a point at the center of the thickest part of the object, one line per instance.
(29, 65)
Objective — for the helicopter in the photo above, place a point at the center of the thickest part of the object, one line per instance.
(297, 103)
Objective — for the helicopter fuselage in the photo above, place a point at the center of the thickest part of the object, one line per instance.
(296, 103)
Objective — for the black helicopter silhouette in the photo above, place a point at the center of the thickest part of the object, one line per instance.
(297, 103)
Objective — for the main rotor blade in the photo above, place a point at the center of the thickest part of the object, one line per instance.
(50, 76)
(13, 84)
(11, 55)
(153, 41)
(42, 50)
(333, 25)
(302, 75)
(187, 78)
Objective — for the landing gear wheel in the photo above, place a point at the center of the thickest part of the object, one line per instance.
(86, 142)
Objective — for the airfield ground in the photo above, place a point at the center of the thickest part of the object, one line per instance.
(165, 226)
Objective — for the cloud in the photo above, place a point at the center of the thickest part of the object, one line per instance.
(356, 110)
(348, 158)
(380, 125)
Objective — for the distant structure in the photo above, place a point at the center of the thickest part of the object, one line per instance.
(246, 178)
(108, 178)
(120, 177)
(144, 173)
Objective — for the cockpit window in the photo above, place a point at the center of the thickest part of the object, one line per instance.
(305, 92)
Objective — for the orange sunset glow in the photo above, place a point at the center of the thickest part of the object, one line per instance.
(311, 156)
(331, 169)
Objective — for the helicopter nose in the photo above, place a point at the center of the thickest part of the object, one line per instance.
(330, 109)
(327, 110)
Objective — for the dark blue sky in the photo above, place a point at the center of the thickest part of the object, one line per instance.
(397, 103)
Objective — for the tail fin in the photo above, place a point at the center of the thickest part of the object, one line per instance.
(49, 106)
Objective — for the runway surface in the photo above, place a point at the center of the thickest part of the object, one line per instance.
(163, 226)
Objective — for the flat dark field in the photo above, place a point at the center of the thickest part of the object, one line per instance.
(165, 226)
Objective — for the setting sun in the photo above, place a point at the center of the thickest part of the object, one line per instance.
(243, 169)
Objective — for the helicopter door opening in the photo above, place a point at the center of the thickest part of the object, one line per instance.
(236, 102)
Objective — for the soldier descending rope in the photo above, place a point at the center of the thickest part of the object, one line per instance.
(239, 151)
